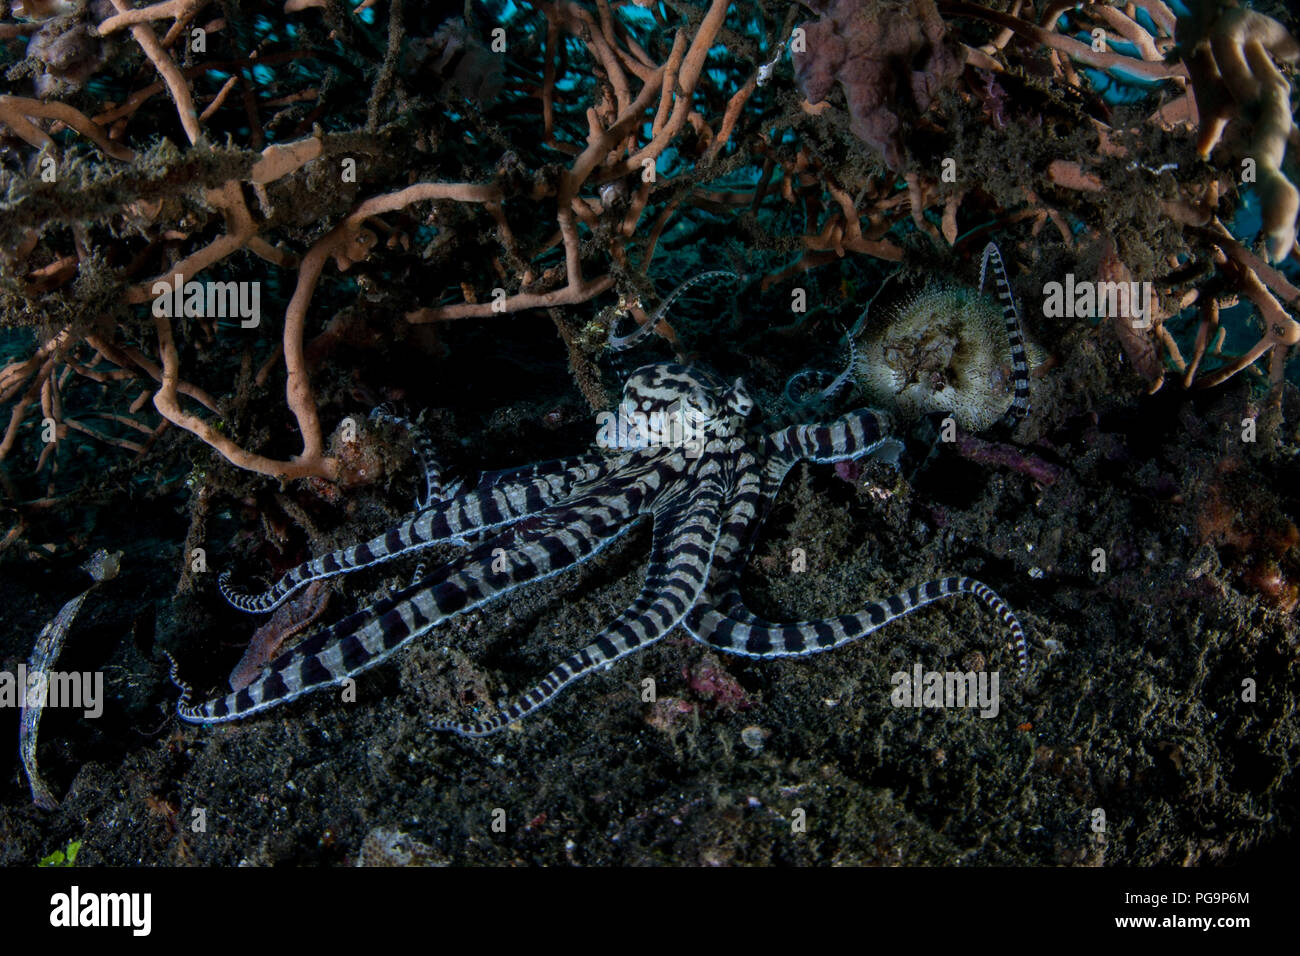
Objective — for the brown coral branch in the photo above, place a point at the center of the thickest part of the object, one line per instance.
(1209, 324)
(15, 110)
(577, 288)
(1129, 29)
(1229, 52)
(166, 66)
(219, 99)
(344, 244)
(729, 118)
(165, 401)
(687, 77)
(950, 207)
(917, 196)
(168, 10)
(128, 357)
(106, 439)
(1073, 48)
(19, 410)
(1257, 280)
(14, 374)
(240, 228)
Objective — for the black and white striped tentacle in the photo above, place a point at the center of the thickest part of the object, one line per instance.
(174, 673)
(500, 503)
(618, 342)
(727, 613)
(1015, 335)
(811, 387)
(426, 454)
(857, 434)
(738, 531)
(685, 537)
(577, 472)
(574, 470)
(750, 636)
(801, 395)
(534, 550)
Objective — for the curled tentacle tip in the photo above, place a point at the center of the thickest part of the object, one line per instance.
(811, 387)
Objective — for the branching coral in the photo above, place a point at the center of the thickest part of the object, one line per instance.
(1228, 51)
(614, 153)
(1228, 62)
(642, 126)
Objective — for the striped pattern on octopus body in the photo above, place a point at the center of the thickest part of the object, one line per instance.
(658, 387)
(855, 435)
(740, 528)
(475, 511)
(575, 470)
(748, 507)
(756, 638)
(1015, 336)
(739, 525)
(685, 537)
(738, 531)
(534, 550)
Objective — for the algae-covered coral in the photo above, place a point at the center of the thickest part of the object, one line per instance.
(231, 230)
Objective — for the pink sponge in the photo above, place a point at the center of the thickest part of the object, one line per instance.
(890, 56)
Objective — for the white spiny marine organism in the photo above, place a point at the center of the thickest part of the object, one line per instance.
(945, 349)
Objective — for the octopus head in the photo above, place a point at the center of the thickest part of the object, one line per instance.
(728, 407)
(715, 408)
(671, 403)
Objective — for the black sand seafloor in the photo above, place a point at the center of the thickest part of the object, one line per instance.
(800, 147)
